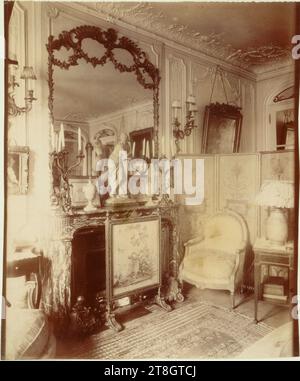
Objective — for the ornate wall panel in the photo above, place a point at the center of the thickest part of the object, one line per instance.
(192, 217)
(201, 83)
(176, 82)
(238, 185)
(277, 165)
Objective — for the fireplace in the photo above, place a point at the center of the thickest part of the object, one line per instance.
(75, 261)
(88, 263)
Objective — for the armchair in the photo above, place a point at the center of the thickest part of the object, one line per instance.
(216, 259)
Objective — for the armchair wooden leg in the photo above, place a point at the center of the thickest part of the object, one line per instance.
(232, 294)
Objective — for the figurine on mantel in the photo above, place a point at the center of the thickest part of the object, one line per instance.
(100, 154)
(90, 188)
(122, 146)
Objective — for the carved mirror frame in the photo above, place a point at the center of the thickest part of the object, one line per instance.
(146, 73)
(72, 40)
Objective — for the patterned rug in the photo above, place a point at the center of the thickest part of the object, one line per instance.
(193, 330)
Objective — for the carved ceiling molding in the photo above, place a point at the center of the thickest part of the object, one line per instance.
(260, 55)
(144, 16)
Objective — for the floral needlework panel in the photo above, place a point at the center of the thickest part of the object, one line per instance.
(277, 166)
(135, 256)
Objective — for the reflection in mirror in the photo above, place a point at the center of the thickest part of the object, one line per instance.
(285, 131)
(101, 101)
(143, 143)
(71, 145)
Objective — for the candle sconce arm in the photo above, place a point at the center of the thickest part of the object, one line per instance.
(80, 157)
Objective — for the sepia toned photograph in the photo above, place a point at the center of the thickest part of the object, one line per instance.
(151, 181)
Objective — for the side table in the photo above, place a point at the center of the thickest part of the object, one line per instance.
(268, 254)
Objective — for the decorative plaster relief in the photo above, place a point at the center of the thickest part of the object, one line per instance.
(144, 15)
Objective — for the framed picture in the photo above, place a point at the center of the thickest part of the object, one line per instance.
(17, 170)
(221, 129)
(133, 256)
(138, 137)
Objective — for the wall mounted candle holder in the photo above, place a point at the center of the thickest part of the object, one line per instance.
(179, 133)
(27, 75)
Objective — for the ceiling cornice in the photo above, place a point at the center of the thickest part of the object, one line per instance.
(276, 71)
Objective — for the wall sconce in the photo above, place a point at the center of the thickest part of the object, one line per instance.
(27, 75)
(179, 133)
(60, 168)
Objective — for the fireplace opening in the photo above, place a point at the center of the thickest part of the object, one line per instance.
(88, 264)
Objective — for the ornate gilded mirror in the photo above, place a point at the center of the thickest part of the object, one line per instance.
(101, 84)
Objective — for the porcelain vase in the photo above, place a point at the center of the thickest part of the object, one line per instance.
(277, 227)
(89, 192)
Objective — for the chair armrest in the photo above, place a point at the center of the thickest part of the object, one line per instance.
(242, 246)
(193, 241)
(239, 259)
(237, 263)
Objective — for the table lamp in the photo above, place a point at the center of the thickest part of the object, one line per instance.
(278, 195)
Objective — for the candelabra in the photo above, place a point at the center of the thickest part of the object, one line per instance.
(179, 133)
(60, 175)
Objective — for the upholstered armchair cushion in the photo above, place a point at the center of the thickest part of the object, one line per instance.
(223, 225)
(222, 243)
(212, 264)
